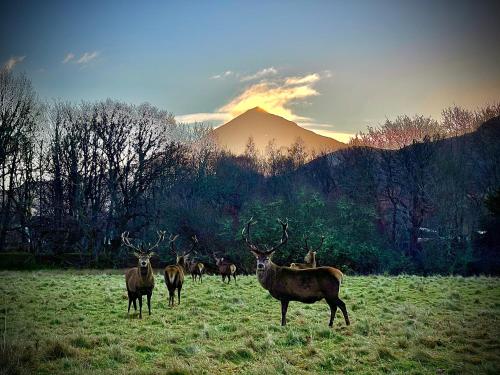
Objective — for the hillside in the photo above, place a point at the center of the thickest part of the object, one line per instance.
(264, 127)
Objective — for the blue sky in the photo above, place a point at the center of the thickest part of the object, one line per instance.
(332, 66)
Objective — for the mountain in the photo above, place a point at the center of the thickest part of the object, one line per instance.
(264, 127)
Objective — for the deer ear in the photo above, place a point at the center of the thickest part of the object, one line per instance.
(136, 254)
(256, 254)
(270, 253)
(152, 254)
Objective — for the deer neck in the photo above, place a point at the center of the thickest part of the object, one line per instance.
(147, 276)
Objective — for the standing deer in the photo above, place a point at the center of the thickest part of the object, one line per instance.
(288, 284)
(174, 274)
(196, 270)
(140, 280)
(310, 258)
(226, 269)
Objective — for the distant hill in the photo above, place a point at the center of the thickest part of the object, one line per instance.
(263, 127)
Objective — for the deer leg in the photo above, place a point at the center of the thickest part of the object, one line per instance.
(149, 302)
(140, 306)
(135, 304)
(129, 303)
(342, 307)
(179, 295)
(284, 308)
(234, 276)
(333, 311)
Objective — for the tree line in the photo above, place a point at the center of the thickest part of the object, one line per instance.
(409, 195)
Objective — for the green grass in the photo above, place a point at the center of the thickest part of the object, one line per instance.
(75, 322)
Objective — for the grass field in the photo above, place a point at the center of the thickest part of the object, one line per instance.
(76, 322)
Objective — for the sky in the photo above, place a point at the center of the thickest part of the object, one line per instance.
(332, 66)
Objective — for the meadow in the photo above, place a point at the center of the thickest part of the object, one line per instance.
(75, 322)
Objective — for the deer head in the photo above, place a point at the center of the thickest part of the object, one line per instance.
(143, 256)
(181, 258)
(311, 253)
(264, 256)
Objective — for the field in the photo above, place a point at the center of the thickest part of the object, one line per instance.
(76, 322)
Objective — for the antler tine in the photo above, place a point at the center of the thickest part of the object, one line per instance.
(284, 237)
(320, 244)
(172, 239)
(246, 234)
(126, 242)
(305, 240)
(195, 242)
(161, 236)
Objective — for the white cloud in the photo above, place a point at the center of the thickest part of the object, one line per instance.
(305, 80)
(70, 56)
(325, 129)
(203, 117)
(87, 57)
(13, 61)
(225, 74)
(260, 74)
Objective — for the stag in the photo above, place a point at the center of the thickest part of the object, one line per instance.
(174, 274)
(140, 280)
(226, 268)
(288, 284)
(310, 258)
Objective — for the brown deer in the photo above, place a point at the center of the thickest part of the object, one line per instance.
(140, 280)
(196, 270)
(288, 284)
(174, 274)
(226, 268)
(310, 258)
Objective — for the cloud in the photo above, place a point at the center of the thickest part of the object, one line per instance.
(305, 80)
(225, 74)
(12, 62)
(87, 57)
(70, 56)
(274, 96)
(260, 74)
(203, 117)
(325, 129)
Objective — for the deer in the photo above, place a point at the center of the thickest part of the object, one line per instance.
(310, 258)
(226, 268)
(196, 270)
(288, 284)
(174, 274)
(140, 280)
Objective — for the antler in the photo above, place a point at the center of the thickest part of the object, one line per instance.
(172, 239)
(320, 244)
(195, 242)
(126, 242)
(284, 236)
(305, 240)
(247, 236)
(161, 236)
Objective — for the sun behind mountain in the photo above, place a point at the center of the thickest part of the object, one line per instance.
(263, 127)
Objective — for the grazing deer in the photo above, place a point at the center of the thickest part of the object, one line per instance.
(226, 269)
(288, 284)
(174, 274)
(310, 258)
(140, 280)
(196, 270)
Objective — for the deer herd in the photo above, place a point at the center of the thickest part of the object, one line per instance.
(303, 282)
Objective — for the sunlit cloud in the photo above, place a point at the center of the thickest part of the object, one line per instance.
(70, 56)
(87, 57)
(12, 62)
(325, 129)
(225, 74)
(204, 117)
(260, 74)
(274, 96)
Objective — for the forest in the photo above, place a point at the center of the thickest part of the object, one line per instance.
(411, 195)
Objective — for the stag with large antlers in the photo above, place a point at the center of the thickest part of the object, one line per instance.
(310, 258)
(140, 280)
(174, 274)
(288, 284)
